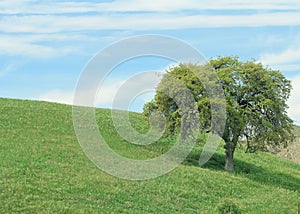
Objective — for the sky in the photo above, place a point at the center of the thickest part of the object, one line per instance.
(45, 45)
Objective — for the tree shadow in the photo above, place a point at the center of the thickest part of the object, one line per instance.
(248, 170)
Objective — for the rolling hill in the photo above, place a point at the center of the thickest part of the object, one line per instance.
(43, 169)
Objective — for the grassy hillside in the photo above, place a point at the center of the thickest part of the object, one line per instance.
(292, 151)
(43, 169)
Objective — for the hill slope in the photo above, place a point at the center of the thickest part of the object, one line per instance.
(43, 169)
(292, 152)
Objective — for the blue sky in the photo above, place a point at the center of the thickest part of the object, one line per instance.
(44, 45)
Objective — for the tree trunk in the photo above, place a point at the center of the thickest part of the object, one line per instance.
(229, 165)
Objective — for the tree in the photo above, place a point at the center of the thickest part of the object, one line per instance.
(255, 98)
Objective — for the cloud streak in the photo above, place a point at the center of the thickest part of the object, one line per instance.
(285, 60)
(114, 90)
(8, 68)
(57, 7)
(26, 24)
(37, 46)
(58, 96)
(294, 101)
(59, 24)
(43, 29)
(287, 56)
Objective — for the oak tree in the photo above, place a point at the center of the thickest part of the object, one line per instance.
(256, 102)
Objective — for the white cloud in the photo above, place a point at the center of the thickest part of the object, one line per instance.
(58, 96)
(58, 24)
(33, 22)
(11, 66)
(32, 45)
(176, 5)
(108, 92)
(7, 69)
(56, 7)
(131, 89)
(286, 60)
(294, 101)
(290, 67)
(122, 92)
(11, 47)
(289, 55)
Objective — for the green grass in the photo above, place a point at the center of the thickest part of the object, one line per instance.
(43, 170)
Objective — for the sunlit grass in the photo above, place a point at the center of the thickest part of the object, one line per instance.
(43, 169)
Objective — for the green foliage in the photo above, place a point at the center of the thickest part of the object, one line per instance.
(255, 98)
(228, 206)
(148, 108)
(44, 170)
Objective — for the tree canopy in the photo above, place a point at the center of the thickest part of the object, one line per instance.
(255, 97)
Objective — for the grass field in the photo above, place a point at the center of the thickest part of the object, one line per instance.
(44, 170)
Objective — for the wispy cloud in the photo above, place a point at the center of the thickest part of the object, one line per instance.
(118, 91)
(10, 46)
(54, 16)
(287, 60)
(284, 60)
(43, 29)
(11, 66)
(57, 7)
(289, 55)
(294, 101)
(6, 69)
(37, 45)
(58, 96)
(56, 24)
(26, 24)
(108, 92)
(175, 5)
